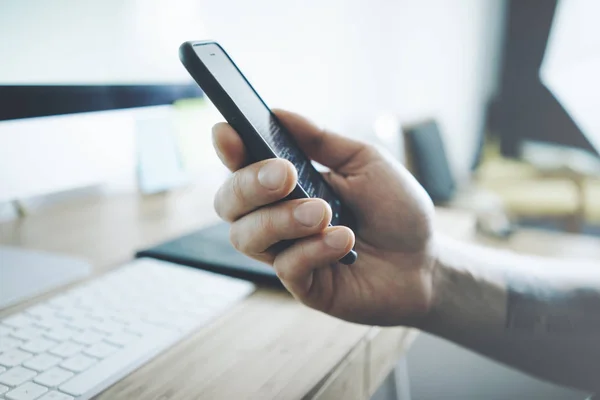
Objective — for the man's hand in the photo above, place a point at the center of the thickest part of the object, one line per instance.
(391, 283)
(536, 314)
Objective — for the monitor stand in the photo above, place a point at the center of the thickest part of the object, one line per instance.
(27, 273)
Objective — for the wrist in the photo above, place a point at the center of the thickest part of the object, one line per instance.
(448, 282)
(426, 302)
(438, 278)
(464, 291)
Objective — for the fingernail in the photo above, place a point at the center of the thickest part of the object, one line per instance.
(310, 213)
(272, 175)
(337, 239)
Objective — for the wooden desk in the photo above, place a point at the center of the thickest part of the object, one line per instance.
(267, 347)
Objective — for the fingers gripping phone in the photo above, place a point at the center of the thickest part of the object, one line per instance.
(262, 134)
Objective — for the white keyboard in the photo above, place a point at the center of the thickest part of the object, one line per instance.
(77, 344)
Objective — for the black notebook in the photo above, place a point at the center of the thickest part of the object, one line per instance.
(210, 249)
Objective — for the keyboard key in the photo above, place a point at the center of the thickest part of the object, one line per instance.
(88, 337)
(50, 323)
(14, 357)
(7, 343)
(97, 374)
(41, 311)
(38, 345)
(100, 313)
(78, 363)
(141, 328)
(101, 350)
(54, 395)
(71, 314)
(2, 369)
(108, 326)
(27, 391)
(42, 362)
(28, 333)
(3, 389)
(67, 349)
(157, 318)
(60, 334)
(53, 377)
(82, 324)
(121, 338)
(19, 321)
(16, 376)
(5, 330)
(60, 302)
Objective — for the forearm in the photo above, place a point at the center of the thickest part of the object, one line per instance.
(539, 315)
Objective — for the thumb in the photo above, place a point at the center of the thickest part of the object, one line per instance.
(331, 150)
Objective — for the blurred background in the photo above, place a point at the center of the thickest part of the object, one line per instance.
(488, 102)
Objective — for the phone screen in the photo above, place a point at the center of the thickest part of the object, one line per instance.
(261, 118)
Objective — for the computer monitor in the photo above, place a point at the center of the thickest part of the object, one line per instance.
(39, 100)
(525, 109)
(572, 62)
(55, 138)
(67, 72)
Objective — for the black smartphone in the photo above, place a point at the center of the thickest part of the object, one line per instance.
(264, 136)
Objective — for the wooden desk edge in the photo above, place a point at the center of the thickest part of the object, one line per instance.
(361, 372)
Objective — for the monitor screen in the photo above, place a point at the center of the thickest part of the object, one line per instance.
(28, 101)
